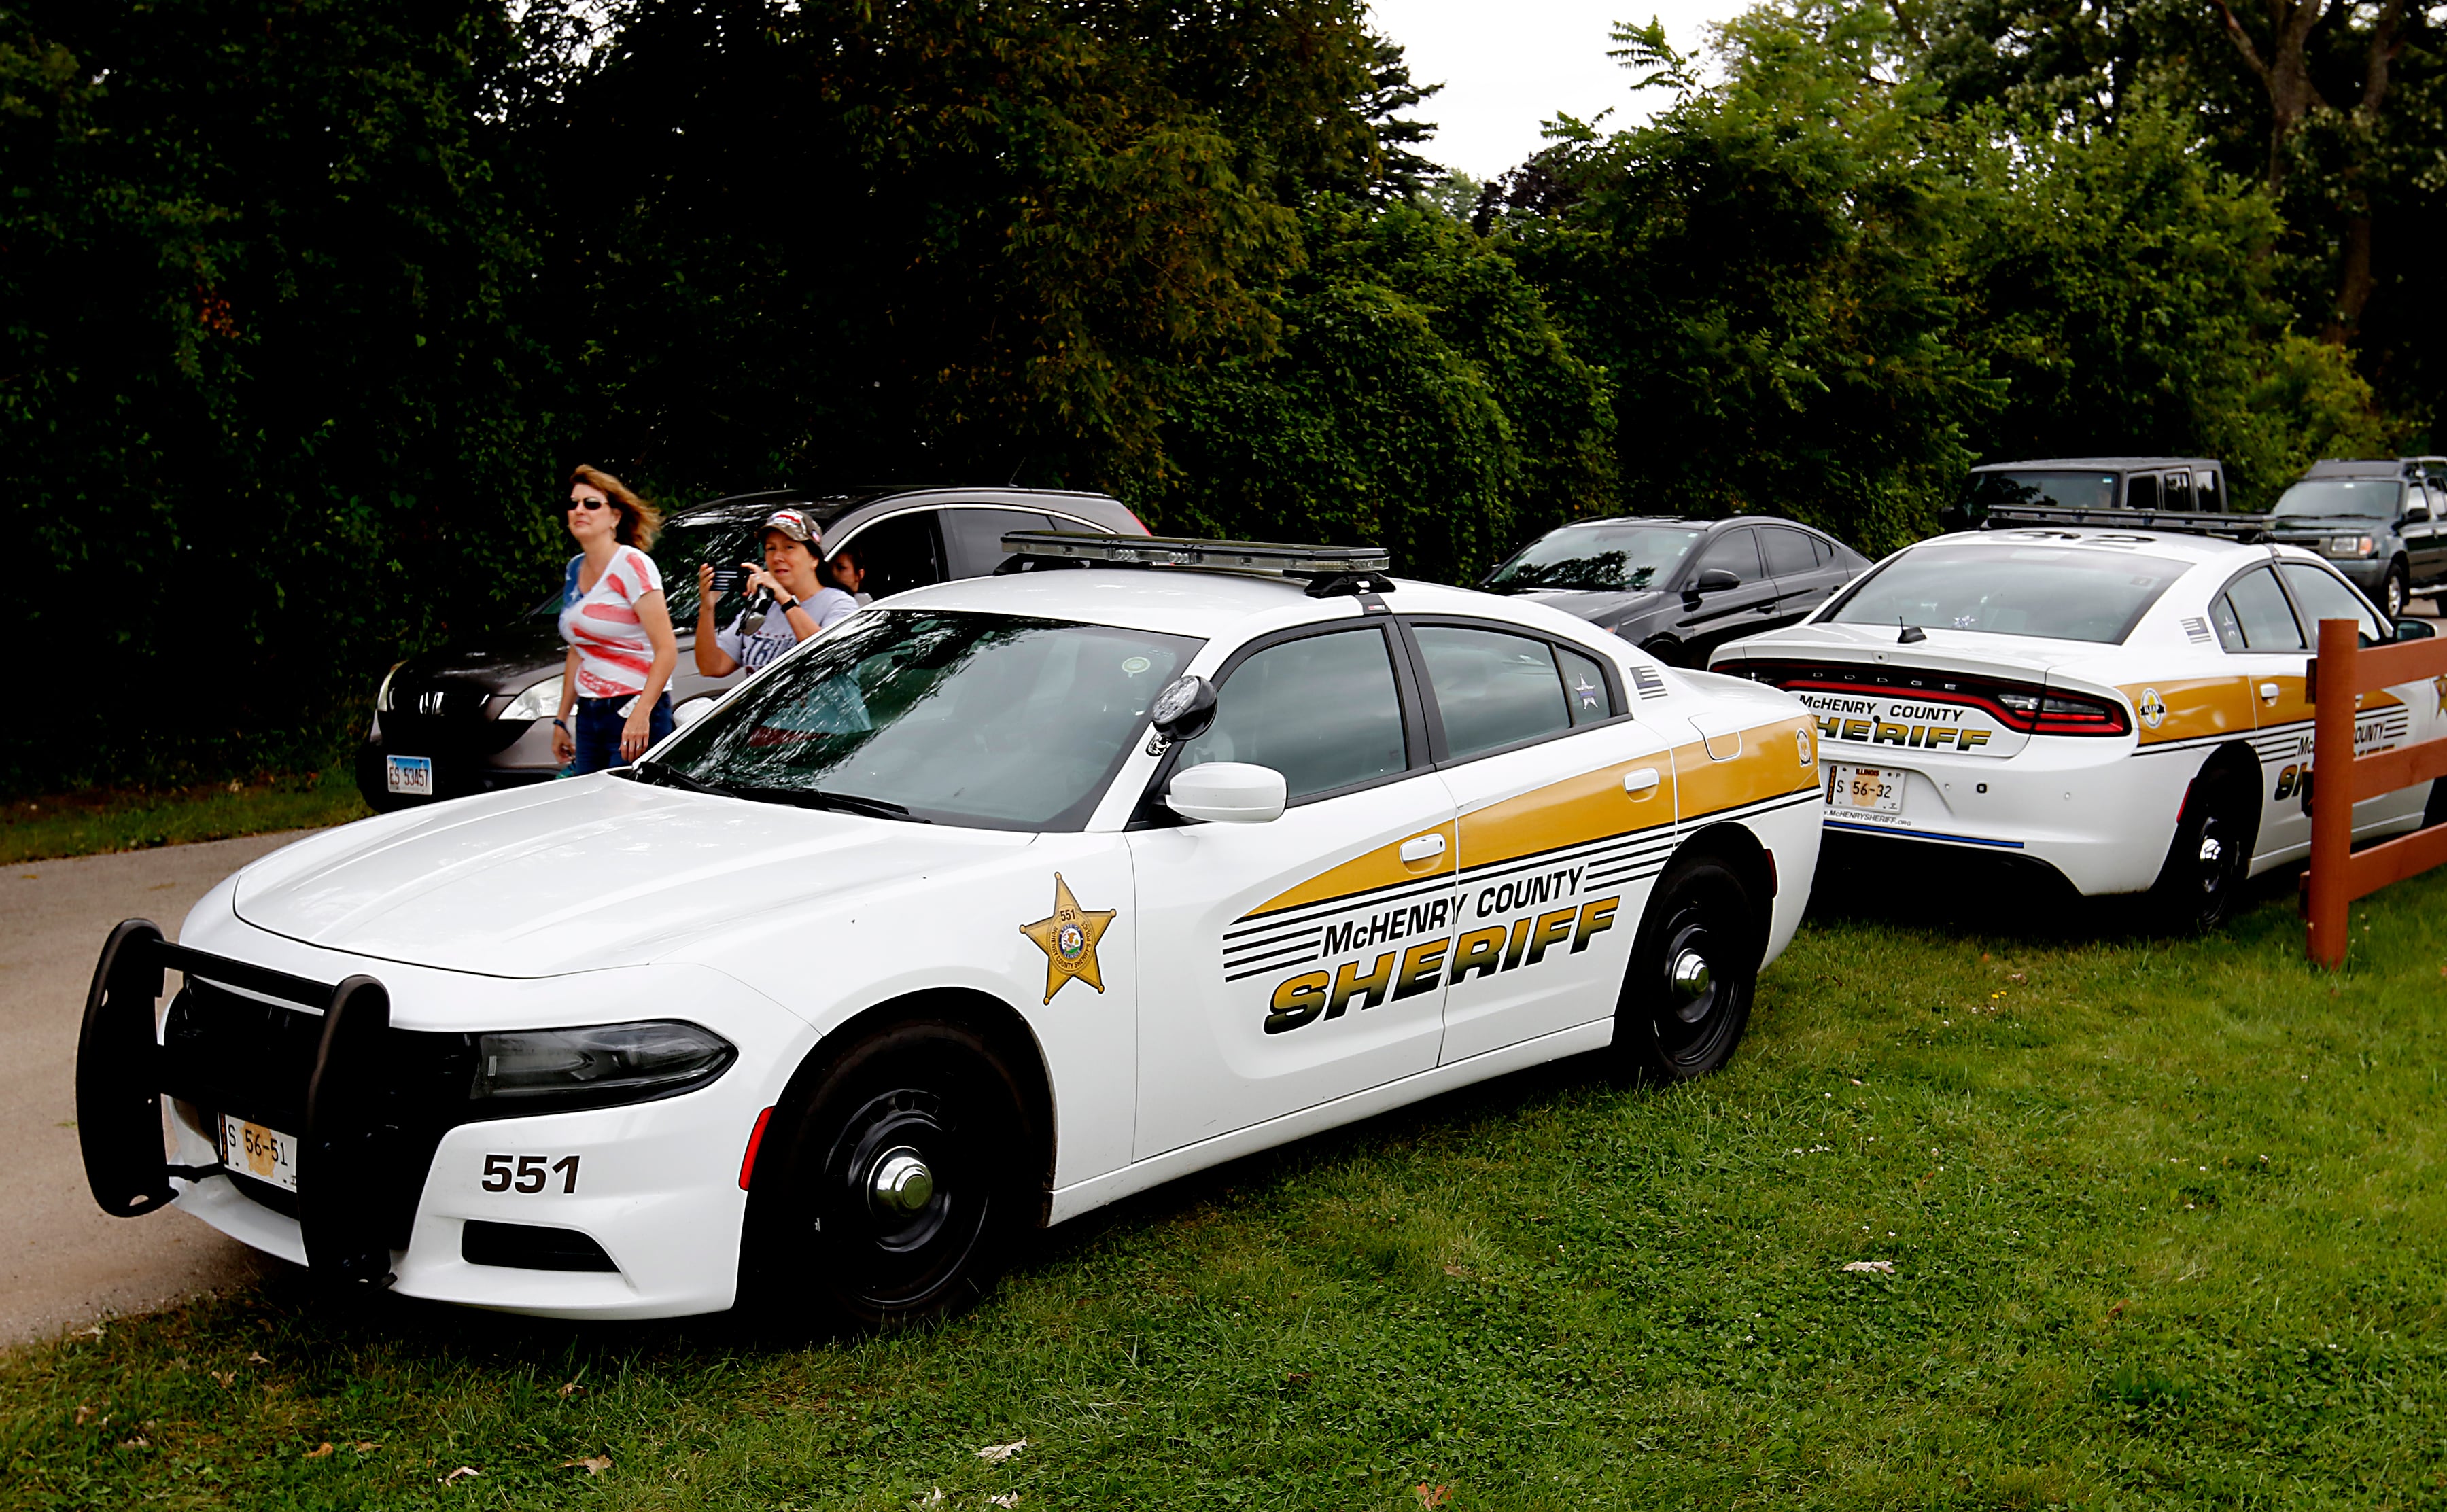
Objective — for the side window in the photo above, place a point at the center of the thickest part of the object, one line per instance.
(1320, 710)
(973, 537)
(2179, 490)
(2205, 492)
(1735, 551)
(1823, 550)
(1492, 688)
(2230, 624)
(1584, 688)
(2261, 614)
(2141, 491)
(2417, 505)
(898, 553)
(2321, 595)
(1788, 552)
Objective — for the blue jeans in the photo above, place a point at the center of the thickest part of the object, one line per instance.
(597, 731)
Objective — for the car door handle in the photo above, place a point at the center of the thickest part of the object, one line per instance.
(2268, 691)
(1641, 783)
(1419, 847)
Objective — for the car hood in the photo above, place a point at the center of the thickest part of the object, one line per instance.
(508, 659)
(1598, 609)
(1956, 650)
(584, 874)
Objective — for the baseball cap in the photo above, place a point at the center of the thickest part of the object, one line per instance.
(793, 523)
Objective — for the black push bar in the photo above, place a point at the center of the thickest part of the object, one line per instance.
(122, 1069)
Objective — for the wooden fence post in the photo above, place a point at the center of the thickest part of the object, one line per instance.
(2332, 792)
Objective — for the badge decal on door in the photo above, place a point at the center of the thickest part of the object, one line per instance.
(1068, 937)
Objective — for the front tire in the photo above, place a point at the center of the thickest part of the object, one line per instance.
(1686, 996)
(891, 1184)
(2395, 594)
(1667, 650)
(2211, 856)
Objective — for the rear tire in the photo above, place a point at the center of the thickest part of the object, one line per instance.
(1686, 995)
(2211, 856)
(833, 1244)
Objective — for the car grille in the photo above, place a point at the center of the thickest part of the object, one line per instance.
(445, 721)
(232, 1053)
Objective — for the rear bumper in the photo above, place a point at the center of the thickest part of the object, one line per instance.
(459, 773)
(391, 1185)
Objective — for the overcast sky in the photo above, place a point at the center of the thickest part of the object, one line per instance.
(1507, 64)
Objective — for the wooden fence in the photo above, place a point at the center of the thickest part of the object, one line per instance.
(2338, 874)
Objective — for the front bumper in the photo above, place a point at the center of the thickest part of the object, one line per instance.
(635, 1210)
(2096, 811)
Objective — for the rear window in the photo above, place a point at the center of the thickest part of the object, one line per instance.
(2072, 490)
(2004, 589)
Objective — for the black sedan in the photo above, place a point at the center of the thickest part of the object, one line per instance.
(1678, 589)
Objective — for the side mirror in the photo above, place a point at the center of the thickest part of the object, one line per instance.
(1714, 580)
(1229, 793)
(2411, 629)
(1184, 708)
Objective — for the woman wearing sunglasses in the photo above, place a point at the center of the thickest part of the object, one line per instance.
(622, 651)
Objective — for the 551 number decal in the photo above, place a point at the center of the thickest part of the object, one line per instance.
(529, 1173)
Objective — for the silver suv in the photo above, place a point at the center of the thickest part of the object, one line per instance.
(477, 716)
(2378, 521)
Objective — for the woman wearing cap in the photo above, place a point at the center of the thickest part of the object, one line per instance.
(804, 603)
(621, 649)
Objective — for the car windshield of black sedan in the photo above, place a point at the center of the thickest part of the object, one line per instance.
(994, 721)
(2340, 499)
(1600, 558)
(724, 541)
(2004, 589)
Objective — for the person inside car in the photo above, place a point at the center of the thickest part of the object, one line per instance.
(847, 573)
(802, 602)
(621, 649)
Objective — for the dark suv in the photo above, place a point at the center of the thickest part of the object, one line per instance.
(2378, 521)
(482, 711)
(1678, 589)
(2186, 484)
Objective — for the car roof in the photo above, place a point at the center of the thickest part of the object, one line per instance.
(827, 506)
(2112, 541)
(1692, 522)
(2097, 464)
(2391, 468)
(1211, 604)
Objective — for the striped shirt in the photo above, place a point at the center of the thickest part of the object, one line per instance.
(614, 657)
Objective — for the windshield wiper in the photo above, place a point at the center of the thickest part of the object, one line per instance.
(839, 802)
(666, 775)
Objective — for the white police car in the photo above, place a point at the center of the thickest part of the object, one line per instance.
(2129, 707)
(1000, 900)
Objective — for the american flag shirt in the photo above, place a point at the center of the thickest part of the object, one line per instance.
(614, 657)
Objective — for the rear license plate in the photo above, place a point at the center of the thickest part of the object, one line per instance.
(266, 1154)
(1874, 789)
(409, 776)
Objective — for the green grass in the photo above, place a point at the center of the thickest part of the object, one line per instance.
(2166, 1222)
(119, 820)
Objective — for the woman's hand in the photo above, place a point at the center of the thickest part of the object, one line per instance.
(564, 749)
(759, 578)
(705, 593)
(638, 733)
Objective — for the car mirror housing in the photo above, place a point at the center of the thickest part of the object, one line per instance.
(1229, 793)
(1714, 580)
(2411, 629)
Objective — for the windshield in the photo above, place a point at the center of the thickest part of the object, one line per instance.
(677, 549)
(2342, 498)
(2012, 590)
(1596, 559)
(987, 720)
(2069, 490)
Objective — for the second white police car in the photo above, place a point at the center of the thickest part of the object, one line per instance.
(2129, 707)
(1000, 900)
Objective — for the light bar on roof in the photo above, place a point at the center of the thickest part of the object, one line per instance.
(1275, 558)
(2173, 521)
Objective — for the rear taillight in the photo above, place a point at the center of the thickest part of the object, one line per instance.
(2034, 710)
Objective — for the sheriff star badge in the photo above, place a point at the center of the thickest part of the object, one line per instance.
(1068, 937)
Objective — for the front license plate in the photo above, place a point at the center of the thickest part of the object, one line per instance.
(411, 776)
(1876, 790)
(266, 1154)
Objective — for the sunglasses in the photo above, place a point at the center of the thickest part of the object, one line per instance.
(584, 503)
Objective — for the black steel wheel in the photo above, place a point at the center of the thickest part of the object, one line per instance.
(1686, 998)
(2210, 855)
(890, 1184)
(1666, 648)
(2395, 593)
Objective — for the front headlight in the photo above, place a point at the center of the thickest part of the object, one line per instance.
(382, 694)
(598, 1064)
(2351, 545)
(543, 701)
